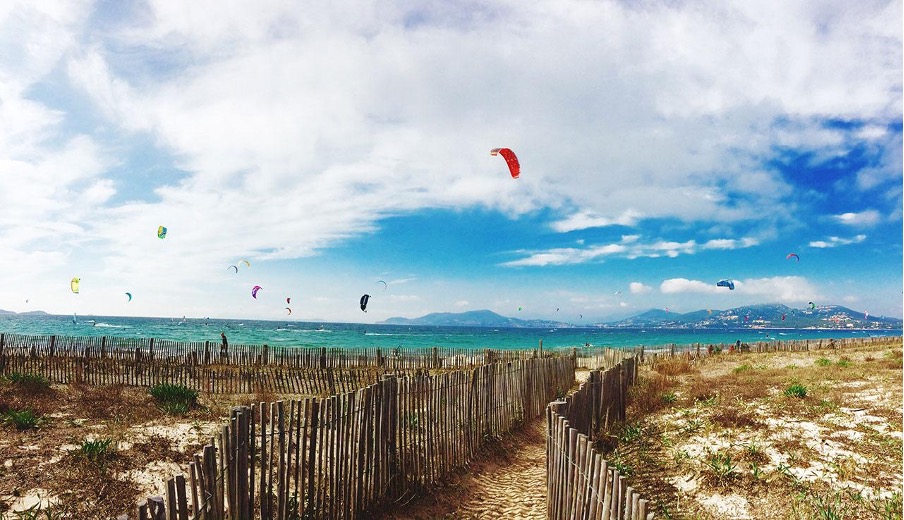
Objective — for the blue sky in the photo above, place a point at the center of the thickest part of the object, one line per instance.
(663, 147)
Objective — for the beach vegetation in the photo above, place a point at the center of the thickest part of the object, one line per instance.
(742, 368)
(97, 450)
(844, 362)
(28, 381)
(174, 399)
(629, 433)
(35, 512)
(674, 366)
(669, 397)
(21, 419)
(755, 429)
(722, 468)
(796, 390)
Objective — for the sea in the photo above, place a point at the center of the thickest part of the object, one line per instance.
(358, 335)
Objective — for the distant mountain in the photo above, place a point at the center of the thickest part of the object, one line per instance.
(6, 312)
(761, 316)
(33, 313)
(481, 318)
(773, 315)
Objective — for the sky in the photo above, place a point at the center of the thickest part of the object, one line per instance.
(664, 146)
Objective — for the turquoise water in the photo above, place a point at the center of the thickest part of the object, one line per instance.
(356, 335)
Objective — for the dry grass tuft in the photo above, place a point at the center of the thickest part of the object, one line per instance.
(674, 367)
(701, 390)
(733, 417)
(650, 394)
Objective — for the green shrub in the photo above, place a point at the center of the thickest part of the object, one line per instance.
(669, 397)
(823, 362)
(743, 368)
(29, 381)
(722, 466)
(21, 419)
(629, 433)
(174, 399)
(97, 450)
(796, 390)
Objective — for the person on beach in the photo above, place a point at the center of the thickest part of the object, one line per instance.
(225, 346)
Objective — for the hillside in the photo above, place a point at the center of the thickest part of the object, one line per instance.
(772, 315)
(481, 318)
(762, 316)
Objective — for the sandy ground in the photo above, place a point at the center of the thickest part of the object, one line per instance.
(838, 450)
(508, 480)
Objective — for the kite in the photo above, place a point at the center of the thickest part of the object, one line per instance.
(783, 317)
(519, 308)
(795, 255)
(726, 283)
(74, 284)
(246, 262)
(385, 285)
(254, 291)
(290, 310)
(234, 267)
(510, 159)
(812, 305)
(364, 302)
(129, 295)
(161, 232)
(865, 314)
(617, 292)
(288, 301)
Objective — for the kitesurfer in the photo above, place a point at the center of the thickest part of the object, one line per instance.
(224, 347)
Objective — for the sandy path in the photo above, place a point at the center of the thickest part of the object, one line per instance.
(508, 480)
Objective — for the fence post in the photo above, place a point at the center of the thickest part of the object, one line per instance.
(322, 357)
(103, 347)
(157, 508)
(52, 345)
(435, 357)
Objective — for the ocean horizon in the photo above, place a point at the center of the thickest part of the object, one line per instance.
(304, 334)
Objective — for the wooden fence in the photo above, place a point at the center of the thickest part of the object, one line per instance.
(316, 372)
(354, 454)
(601, 357)
(579, 482)
(198, 353)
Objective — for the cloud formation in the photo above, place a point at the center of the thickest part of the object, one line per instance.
(837, 241)
(281, 133)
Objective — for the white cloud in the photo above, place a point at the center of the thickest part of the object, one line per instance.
(837, 241)
(630, 247)
(868, 217)
(787, 289)
(639, 288)
(280, 131)
(683, 285)
(586, 219)
(731, 243)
